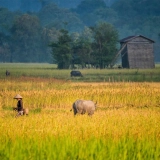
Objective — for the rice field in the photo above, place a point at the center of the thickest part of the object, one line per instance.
(125, 126)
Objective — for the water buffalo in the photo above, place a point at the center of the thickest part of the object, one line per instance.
(76, 74)
(84, 106)
(7, 73)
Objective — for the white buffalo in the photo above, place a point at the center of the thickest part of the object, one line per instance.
(84, 106)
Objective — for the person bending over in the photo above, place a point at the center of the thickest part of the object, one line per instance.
(19, 105)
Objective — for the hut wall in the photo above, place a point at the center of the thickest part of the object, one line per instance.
(140, 53)
(124, 56)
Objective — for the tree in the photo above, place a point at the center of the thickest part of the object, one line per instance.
(6, 19)
(49, 35)
(82, 48)
(53, 16)
(81, 52)
(105, 44)
(29, 5)
(88, 6)
(86, 10)
(4, 48)
(26, 39)
(61, 50)
(45, 2)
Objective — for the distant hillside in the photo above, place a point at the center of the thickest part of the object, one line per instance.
(36, 5)
(129, 17)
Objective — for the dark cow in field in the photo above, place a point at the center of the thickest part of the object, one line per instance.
(84, 106)
(7, 73)
(76, 74)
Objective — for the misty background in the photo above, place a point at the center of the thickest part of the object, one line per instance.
(27, 27)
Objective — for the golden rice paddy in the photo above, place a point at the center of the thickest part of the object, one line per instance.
(127, 119)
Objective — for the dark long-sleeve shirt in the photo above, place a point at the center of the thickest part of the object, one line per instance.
(20, 105)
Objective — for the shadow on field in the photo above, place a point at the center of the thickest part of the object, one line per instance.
(36, 110)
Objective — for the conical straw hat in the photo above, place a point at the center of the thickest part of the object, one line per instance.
(18, 96)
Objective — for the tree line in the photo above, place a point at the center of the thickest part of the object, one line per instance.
(35, 5)
(27, 36)
(95, 46)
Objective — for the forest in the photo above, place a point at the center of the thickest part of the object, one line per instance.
(30, 29)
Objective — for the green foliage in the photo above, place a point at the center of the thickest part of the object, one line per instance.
(88, 6)
(82, 49)
(36, 110)
(61, 50)
(98, 49)
(50, 147)
(4, 47)
(53, 16)
(25, 32)
(21, 70)
(28, 40)
(106, 14)
(129, 17)
(105, 43)
(93, 11)
(6, 19)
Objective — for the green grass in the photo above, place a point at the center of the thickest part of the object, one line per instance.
(89, 75)
(64, 148)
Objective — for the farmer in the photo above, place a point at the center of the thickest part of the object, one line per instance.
(19, 105)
